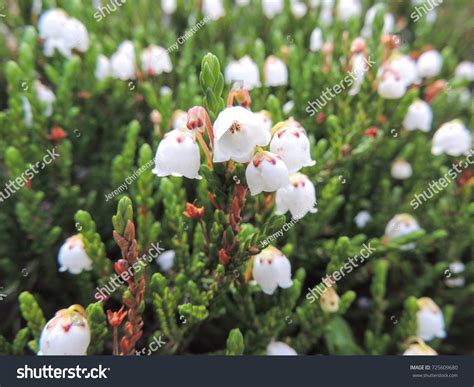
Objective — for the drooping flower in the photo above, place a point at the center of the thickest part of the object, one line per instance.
(298, 197)
(388, 22)
(288, 107)
(271, 8)
(391, 85)
(465, 70)
(237, 132)
(278, 348)
(178, 155)
(430, 320)
(266, 118)
(46, 96)
(271, 269)
(362, 218)
(27, 111)
(292, 145)
(266, 173)
(358, 69)
(347, 9)
(405, 67)
(166, 260)
(102, 68)
(168, 6)
(179, 118)
(316, 40)
(402, 225)
(276, 72)
(455, 279)
(75, 35)
(244, 70)
(329, 301)
(419, 348)
(156, 60)
(63, 33)
(452, 138)
(72, 256)
(429, 64)
(401, 170)
(213, 9)
(298, 8)
(326, 15)
(419, 116)
(66, 334)
(122, 62)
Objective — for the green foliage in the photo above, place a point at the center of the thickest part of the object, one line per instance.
(33, 315)
(98, 328)
(235, 343)
(203, 304)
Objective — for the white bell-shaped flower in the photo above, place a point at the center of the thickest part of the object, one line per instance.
(298, 197)
(51, 25)
(276, 72)
(61, 32)
(326, 15)
(45, 96)
(213, 9)
(168, 6)
(401, 170)
(278, 348)
(178, 155)
(122, 62)
(362, 218)
(430, 320)
(388, 22)
(455, 278)
(465, 70)
(27, 112)
(298, 8)
(156, 60)
(102, 68)
(66, 334)
(402, 225)
(127, 48)
(75, 35)
(237, 132)
(72, 256)
(179, 119)
(292, 145)
(245, 71)
(266, 119)
(166, 260)
(316, 40)
(359, 67)
(391, 85)
(452, 138)
(271, 8)
(288, 107)
(429, 64)
(266, 173)
(419, 116)
(347, 9)
(271, 269)
(406, 68)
